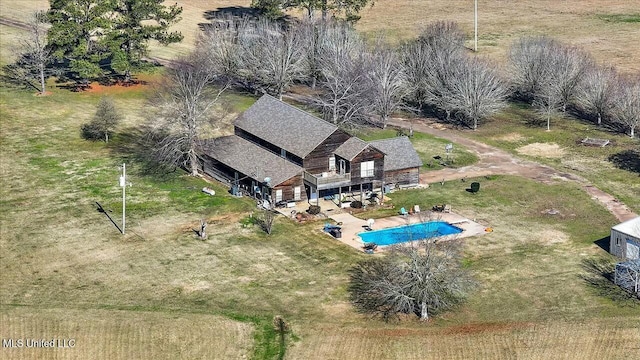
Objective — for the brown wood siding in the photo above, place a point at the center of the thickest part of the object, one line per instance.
(408, 176)
(287, 188)
(318, 160)
(368, 154)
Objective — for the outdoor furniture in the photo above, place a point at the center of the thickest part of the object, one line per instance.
(403, 212)
(447, 208)
(370, 246)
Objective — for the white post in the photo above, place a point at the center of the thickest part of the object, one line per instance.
(475, 25)
(123, 183)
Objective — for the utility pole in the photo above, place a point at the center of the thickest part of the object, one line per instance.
(475, 25)
(123, 184)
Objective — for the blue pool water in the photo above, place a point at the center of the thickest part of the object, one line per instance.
(406, 233)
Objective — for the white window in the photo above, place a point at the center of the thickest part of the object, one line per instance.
(296, 193)
(278, 195)
(366, 169)
(332, 163)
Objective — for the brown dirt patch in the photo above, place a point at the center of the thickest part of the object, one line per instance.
(96, 88)
(545, 150)
(551, 236)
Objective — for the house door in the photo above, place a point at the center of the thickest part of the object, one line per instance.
(296, 193)
(342, 167)
(278, 195)
(633, 252)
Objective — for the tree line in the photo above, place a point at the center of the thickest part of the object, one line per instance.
(85, 40)
(556, 77)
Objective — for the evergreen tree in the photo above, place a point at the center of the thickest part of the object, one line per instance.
(75, 35)
(136, 23)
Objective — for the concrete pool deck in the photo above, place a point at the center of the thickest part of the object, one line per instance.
(352, 225)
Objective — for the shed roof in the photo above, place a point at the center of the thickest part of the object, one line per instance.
(351, 148)
(284, 125)
(399, 153)
(629, 227)
(250, 159)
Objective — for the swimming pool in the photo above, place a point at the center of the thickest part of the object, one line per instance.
(406, 233)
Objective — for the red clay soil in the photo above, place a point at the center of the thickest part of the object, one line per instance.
(493, 161)
(96, 88)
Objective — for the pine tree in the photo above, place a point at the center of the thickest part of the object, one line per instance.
(136, 23)
(75, 36)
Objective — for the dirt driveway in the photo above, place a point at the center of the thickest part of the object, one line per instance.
(494, 161)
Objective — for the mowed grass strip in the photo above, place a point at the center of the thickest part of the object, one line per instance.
(114, 334)
(598, 339)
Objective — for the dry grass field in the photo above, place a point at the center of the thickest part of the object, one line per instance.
(109, 334)
(607, 28)
(159, 293)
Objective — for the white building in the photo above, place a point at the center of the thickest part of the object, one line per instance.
(625, 239)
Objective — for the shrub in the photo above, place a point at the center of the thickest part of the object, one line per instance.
(314, 210)
(356, 204)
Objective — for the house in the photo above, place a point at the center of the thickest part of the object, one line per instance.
(625, 239)
(281, 153)
(401, 162)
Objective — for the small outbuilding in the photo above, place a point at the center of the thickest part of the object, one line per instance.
(625, 239)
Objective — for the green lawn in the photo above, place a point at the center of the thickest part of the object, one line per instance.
(517, 127)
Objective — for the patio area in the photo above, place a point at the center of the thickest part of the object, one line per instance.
(352, 225)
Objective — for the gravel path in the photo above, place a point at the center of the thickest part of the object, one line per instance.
(494, 161)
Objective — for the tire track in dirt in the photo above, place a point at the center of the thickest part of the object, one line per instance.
(494, 161)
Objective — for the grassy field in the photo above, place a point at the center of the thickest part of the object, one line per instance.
(517, 131)
(108, 334)
(158, 292)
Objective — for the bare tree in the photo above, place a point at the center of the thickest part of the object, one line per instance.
(272, 55)
(627, 276)
(528, 60)
(104, 122)
(220, 42)
(627, 104)
(342, 61)
(312, 33)
(266, 219)
(34, 56)
(387, 81)
(477, 91)
(183, 109)
(439, 53)
(547, 99)
(421, 277)
(538, 61)
(596, 92)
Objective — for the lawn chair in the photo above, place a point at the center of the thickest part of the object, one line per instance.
(403, 212)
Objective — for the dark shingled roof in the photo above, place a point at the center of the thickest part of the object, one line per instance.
(245, 156)
(284, 126)
(399, 153)
(351, 148)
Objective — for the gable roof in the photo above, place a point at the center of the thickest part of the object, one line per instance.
(351, 148)
(249, 158)
(630, 227)
(399, 153)
(284, 125)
